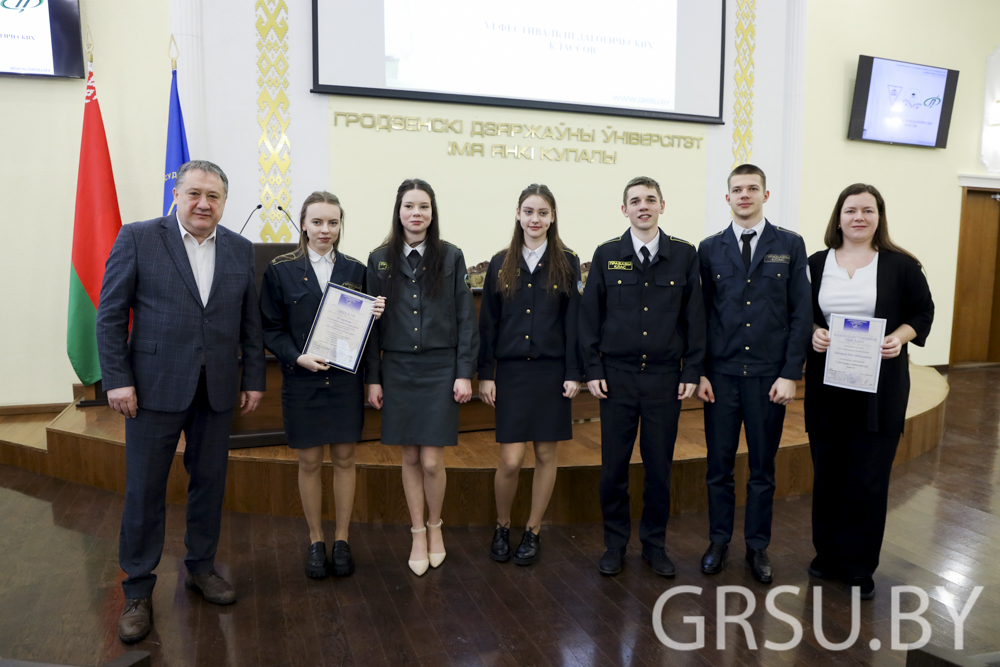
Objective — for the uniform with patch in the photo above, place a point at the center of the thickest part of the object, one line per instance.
(643, 331)
(759, 327)
(325, 406)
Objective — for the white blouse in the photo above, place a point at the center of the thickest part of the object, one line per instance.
(840, 293)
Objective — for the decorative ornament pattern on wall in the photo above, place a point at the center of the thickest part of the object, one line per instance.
(746, 37)
(274, 149)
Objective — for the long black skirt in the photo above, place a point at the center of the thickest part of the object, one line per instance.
(530, 404)
(316, 413)
(418, 398)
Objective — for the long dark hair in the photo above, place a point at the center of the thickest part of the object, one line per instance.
(433, 253)
(560, 272)
(320, 196)
(881, 241)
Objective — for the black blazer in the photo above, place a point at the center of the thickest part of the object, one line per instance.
(903, 298)
(537, 323)
(289, 298)
(759, 320)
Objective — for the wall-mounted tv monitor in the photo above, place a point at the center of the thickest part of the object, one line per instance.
(41, 38)
(649, 58)
(897, 102)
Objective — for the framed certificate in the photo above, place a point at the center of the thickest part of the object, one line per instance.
(854, 358)
(341, 327)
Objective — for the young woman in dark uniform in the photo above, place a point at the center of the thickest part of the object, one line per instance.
(529, 361)
(421, 356)
(853, 435)
(319, 404)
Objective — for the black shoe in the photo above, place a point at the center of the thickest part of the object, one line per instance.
(866, 584)
(715, 558)
(611, 562)
(316, 564)
(818, 568)
(530, 548)
(760, 565)
(342, 563)
(658, 559)
(500, 549)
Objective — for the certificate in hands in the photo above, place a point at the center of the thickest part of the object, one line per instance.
(854, 358)
(340, 331)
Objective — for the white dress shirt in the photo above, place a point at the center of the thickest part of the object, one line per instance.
(759, 228)
(844, 295)
(322, 265)
(653, 246)
(419, 248)
(532, 257)
(202, 259)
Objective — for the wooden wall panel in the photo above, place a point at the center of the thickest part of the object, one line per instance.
(975, 277)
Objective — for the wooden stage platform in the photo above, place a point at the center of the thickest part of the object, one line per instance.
(86, 445)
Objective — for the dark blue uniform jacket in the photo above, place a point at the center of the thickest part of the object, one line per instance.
(759, 321)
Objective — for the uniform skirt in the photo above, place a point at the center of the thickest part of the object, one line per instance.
(530, 404)
(419, 405)
(316, 413)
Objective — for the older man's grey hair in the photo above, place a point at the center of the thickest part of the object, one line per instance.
(205, 166)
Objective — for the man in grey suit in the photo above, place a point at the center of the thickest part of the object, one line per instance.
(189, 285)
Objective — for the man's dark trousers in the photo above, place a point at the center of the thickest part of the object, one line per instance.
(742, 400)
(151, 441)
(651, 398)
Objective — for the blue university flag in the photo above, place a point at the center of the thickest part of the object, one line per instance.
(177, 147)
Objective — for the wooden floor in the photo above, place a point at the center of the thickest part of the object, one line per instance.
(60, 593)
(86, 445)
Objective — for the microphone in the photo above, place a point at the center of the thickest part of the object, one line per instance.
(286, 215)
(255, 209)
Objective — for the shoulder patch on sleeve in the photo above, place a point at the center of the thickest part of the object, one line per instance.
(674, 238)
(617, 238)
(787, 231)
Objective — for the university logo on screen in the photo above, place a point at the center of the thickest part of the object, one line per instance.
(20, 5)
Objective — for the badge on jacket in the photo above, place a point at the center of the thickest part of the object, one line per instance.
(616, 265)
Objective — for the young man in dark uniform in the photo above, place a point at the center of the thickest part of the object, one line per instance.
(642, 332)
(759, 312)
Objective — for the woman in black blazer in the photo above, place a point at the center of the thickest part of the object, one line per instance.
(853, 435)
(320, 404)
(529, 360)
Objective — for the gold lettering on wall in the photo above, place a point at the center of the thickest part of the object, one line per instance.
(274, 150)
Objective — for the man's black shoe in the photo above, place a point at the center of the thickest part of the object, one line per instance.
(500, 549)
(316, 561)
(659, 560)
(342, 563)
(530, 548)
(866, 584)
(760, 565)
(715, 558)
(820, 569)
(611, 562)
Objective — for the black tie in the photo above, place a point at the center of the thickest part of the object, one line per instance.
(746, 238)
(413, 258)
(645, 257)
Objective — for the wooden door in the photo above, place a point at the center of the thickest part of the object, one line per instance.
(975, 333)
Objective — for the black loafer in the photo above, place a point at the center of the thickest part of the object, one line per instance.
(715, 558)
(500, 549)
(658, 559)
(530, 548)
(316, 565)
(342, 562)
(611, 562)
(866, 584)
(760, 565)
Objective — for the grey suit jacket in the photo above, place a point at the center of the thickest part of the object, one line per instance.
(173, 334)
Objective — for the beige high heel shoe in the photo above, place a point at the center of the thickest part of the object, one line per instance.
(418, 567)
(438, 558)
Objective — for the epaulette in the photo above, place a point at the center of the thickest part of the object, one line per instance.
(384, 245)
(500, 252)
(617, 238)
(712, 236)
(452, 245)
(674, 238)
(569, 251)
(281, 259)
(354, 259)
(782, 229)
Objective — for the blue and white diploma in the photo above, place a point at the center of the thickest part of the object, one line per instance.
(854, 358)
(341, 327)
